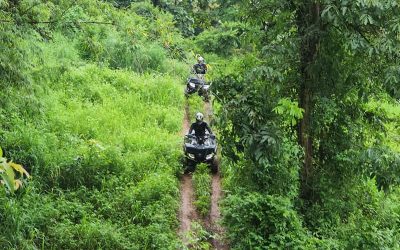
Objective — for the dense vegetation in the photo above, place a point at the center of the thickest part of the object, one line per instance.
(308, 115)
(310, 123)
(91, 105)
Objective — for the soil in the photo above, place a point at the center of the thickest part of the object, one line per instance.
(213, 220)
(215, 214)
(187, 212)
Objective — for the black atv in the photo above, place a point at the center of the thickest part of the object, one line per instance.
(195, 84)
(200, 150)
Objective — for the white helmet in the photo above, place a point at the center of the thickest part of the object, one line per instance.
(200, 59)
(199, 117)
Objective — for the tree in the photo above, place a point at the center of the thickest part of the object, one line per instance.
(332, 58)
(334, 40)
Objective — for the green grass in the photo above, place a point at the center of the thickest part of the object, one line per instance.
(196, 104)
(202, 189)
(102, 142)
(198, 237)
(388, 111)
(103, 147)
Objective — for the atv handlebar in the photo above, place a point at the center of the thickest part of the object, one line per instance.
(212, 136)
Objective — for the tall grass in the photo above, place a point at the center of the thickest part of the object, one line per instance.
(103, 146)
(202, 189)
(196, 104)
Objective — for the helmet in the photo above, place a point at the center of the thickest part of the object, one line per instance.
(200, 59)
(199, 117)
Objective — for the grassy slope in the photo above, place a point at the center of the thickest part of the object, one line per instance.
(103, 146)
(104, 157)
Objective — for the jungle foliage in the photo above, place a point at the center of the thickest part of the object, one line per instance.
(308, 114)
(309, 123)
(191, 17)
(91, 105)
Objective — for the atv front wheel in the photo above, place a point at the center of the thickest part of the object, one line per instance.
(214, 166)
(190, 166)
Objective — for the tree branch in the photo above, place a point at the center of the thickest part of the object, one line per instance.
(57, 21)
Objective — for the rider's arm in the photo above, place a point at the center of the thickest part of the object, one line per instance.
(191, 129)
(195, 68)
(209, 129)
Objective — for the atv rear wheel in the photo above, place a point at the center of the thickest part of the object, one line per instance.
(214, 166)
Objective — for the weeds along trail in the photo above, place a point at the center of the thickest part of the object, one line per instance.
(215, 214)
(187, 211)
(214, 217)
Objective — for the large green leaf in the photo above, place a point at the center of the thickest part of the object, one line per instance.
(7, 174)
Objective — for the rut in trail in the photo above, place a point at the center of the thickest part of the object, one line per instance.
(187, 212)
(215, 215)
(213, 220)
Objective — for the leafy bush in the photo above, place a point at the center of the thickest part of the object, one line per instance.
(221, 40)
(255, 220)
(369, 220)
(198, 237)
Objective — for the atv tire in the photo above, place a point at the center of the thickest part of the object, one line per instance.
(214, 166)
(206, 96)
(189, 167)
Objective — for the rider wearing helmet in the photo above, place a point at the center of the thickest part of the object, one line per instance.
(200, 67)
(199, 127)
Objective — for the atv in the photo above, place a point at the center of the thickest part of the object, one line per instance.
(196, 84)
(200, 150)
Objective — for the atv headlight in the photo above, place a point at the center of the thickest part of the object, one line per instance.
(191, 156)
(209, 156)
(192, 85)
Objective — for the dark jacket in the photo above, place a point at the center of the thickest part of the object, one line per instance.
(200, 68)
(200, 128)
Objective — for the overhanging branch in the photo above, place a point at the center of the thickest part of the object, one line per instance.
(57, 21)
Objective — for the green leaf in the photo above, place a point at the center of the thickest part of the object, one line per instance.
(19, 168)
(7, 174)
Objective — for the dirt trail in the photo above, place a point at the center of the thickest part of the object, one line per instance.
(215, 214)
(187, 212)
(213, 220)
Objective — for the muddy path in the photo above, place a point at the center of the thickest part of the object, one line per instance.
(213, 221)
(187, 211)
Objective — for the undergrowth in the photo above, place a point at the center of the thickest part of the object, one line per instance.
(202, 189)
(196, 104)
(94, 117)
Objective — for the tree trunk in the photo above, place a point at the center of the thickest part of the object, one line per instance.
(308, 25)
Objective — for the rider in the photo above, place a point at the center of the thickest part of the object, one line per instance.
(199, 127)
(200, 68)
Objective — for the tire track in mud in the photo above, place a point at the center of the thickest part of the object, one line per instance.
(187, 211)
(213, 220)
